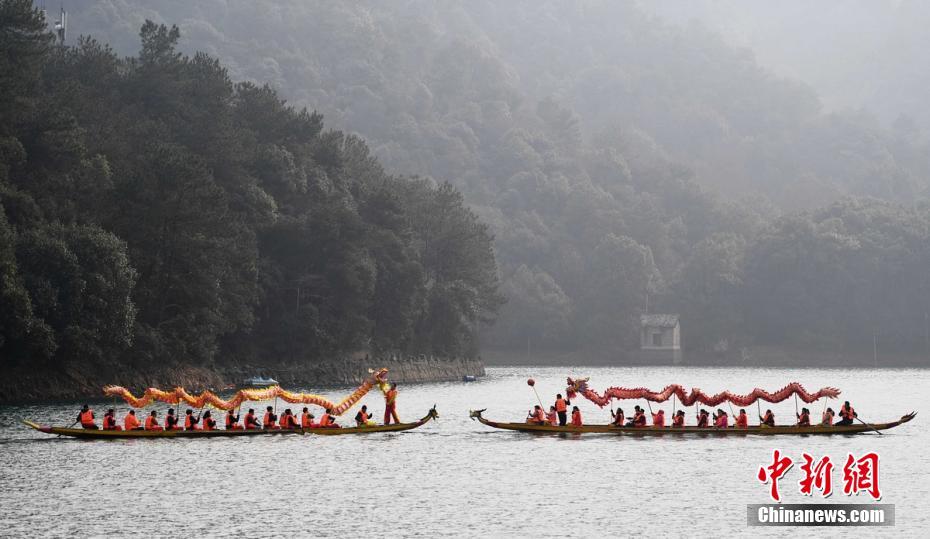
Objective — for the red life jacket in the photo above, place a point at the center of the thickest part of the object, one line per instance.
(742, 420)
(209, 423)
(250, 421)
(130, 422)
(827, 418)
(618, 419)
(189, 422)
(576, 418)
(560, 405)
(268, 421)
(847, 413)
(702, 420)
(678, 421)
(539, 416)
(305, 420)
(769, 419)
(722, 421)
(326, 420)
(658, 419)
(230, 424)
(87, 417)
(639, 419)
(151, 423)
(552, 418)
(804, 419)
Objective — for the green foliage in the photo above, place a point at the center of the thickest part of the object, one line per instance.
(154, 212)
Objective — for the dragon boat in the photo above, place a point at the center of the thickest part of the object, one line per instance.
(703, 431)
(90, 434)
(695, 397)
(178, 397)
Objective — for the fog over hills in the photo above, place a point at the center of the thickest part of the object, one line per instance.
(761, 169)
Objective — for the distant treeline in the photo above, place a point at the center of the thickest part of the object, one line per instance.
(153, 212)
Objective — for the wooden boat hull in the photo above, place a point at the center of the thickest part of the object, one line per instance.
(89, 434)
(705, 431)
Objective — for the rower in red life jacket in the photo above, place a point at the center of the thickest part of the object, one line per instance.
(362, 417)
(536, 416)
(109, 420)
(306, 419)
(190, 422)
(742, 420)
(171, 421)
(86, 418)
(208, 422)
(131, 422)
(290, 420)
(618, 417)
(576, 417)
(703, 418)
(638, 419)
(658, 419)
(270, 419)
(232, 421)
(804, 418)
(721, 420)
(328, 421)
(768, 419)
(251, 423)
(151, 422)
(679, 419)
(827, 418)
(847, 414)
(561, 408)
(552, 417)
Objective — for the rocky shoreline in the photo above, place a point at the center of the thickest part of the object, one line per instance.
(24, 385)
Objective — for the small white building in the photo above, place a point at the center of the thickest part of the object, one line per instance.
(660, 338)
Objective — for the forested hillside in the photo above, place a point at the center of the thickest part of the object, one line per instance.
(154, 212)
(619, 162)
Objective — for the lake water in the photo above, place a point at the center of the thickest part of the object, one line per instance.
(456, 477)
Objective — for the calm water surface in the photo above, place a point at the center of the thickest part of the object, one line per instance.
(456, 477)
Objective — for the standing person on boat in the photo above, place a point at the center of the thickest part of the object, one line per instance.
(363, 418)
(721, 419)
(270, 418)
(390, 405)
(827, 418)
(658, 419)
(86, 418)
(109, 420)
(306, 419)
(679, 419)
(171, 421)
(618, 417)
(151, 422)
(561, 408)
(131, 422)
(768, 420)
(208, 422)
(232, 421)
(251, 423)
(576, 417)
(847, 414)
(190, 422)
(804, 418)
(742, 420)
(552, 417)
(703, 418)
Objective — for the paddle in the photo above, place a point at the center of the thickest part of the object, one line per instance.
(867, 425)
(759, 409)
